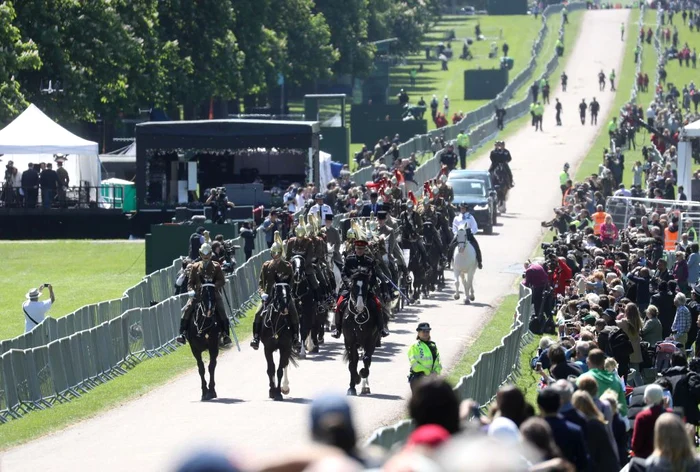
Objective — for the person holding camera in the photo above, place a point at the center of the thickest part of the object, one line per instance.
(219, 204)
(34, 310)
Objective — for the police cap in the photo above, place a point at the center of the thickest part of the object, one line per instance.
(423, 327)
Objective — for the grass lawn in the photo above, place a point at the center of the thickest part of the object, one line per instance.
(81, 272)
(138, 381)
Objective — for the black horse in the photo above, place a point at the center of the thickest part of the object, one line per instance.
(433, 248)
(276, 335)
(359, 332)
(305, 303)
(203, 335)
(502, 182)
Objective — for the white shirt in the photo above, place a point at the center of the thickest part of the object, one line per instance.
(623, 192)
(37, 310)
(465, 219)
(324, 209)
(299, 200)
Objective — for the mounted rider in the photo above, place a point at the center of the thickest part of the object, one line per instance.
(500, 156)
(357, 265)
(429, 215)
(302, 245)
(393, 251)
(201, 272)
(467, 220)
(318, 258)
(412, 225)
(445, 191)
(276, 270)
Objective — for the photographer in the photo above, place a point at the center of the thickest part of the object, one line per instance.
(34, 310)
(219, 204)
(537, 280)
(183, 276)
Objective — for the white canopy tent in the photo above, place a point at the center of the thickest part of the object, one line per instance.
(34, 137)
(685, 155)
(324, 169)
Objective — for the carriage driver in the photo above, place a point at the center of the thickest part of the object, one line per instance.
(201, 272)
(275, 271)
(357, 263)
(467, 220)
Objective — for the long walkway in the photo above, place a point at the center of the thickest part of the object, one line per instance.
(153, 431)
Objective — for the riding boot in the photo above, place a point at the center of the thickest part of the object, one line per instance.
(182, 339)
(477, 249)
(255, 343)
(379, 319)
(225, 333)
(338, 319)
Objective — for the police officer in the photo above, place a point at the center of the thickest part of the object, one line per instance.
(205, 271)
(467, 220)
(558, 108)
(595, 108)
(423, 355)
(320, 209)
(355, 265)
(582, 107)
(449, 158)
(274, 271)
(564, 80)
(501, 156)
(563, 178)
(463, 147)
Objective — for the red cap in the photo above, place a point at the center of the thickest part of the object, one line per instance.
(431, 435)
(609, 263)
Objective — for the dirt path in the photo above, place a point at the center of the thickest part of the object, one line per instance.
(156, 429)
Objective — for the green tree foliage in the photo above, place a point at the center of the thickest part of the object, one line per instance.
(15, 56)
(113, 57)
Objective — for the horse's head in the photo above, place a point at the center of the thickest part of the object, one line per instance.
(208, 300)
(282, 296)
(297, 268)
(427, 228)
(358, 292)
(461, 238)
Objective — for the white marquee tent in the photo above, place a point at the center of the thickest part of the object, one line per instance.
(685, 159)
(34, 137)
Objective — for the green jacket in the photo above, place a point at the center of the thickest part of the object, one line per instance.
(608, 380)
(612, 126)
(563, 177)
(539, 110)
(421, 358)
(463, 140)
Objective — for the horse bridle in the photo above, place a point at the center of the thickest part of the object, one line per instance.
(297, 277)
(267, 319)
(356, 314)
(200, 310)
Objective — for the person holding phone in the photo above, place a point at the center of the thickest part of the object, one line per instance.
(34, 310)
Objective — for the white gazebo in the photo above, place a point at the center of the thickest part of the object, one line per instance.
(685, 155)
(34, 137)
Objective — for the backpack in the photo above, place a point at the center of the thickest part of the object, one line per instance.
(619, 343)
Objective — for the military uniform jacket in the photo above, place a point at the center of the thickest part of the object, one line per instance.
(279, 271)
(428, 214)
(211, 273)
(359, 265)
(333, 238)
(319, 250)
(301, 247)
(446, 192)
(63, 178)
(388, 233)
(415, 220)
(396, 193)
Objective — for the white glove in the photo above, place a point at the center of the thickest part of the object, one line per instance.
(191, 293)
(264, 297)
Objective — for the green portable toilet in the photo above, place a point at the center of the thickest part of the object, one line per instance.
(118, 193)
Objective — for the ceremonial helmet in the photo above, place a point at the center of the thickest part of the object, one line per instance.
(350, 235)
(443, 178)
(300, 230)
(315, 224)
(309, 227)
(205, 252)
(394, 180)
(409, 205)
(277, 249)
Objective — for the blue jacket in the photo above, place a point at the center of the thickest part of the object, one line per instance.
(693, 268)
(570, 440)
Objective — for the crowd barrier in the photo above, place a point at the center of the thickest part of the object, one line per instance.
(62, 358)
(491, 370)
(480, 124)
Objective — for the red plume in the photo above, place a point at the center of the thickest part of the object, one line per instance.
(412, 198)
(399, 177)
(427, 190)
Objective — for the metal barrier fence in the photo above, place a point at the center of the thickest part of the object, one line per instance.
(480, 123)
(72, 357)
(154, 288)
(491, 370)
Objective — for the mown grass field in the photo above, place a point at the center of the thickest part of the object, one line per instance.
(81, 272)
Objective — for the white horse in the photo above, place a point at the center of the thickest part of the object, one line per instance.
(464, 264)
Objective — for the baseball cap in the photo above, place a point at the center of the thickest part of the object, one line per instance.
(431, 435)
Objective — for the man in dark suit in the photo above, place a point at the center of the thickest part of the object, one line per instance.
(30, 186)
(567, 435)
(373, 207)
(567, 410)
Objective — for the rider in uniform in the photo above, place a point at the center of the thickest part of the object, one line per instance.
(356, 264)
(412, 223)
(318, 258)
(275, 271)
(301, 245)
(467, 220)
(500, 155)
(201, 272)
(445, 191)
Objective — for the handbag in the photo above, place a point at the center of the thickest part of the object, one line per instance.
(30, 318)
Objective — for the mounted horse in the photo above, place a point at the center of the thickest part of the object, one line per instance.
(500, 177)
(203, 335)
(416, 265)
(277, 335)
(306, 305)
(360, 331)
(464, 265)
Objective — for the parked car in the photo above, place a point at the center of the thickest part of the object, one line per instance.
(473, 192)
(485, 177)
(468, 10)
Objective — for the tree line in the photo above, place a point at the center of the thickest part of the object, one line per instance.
(112, 57)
